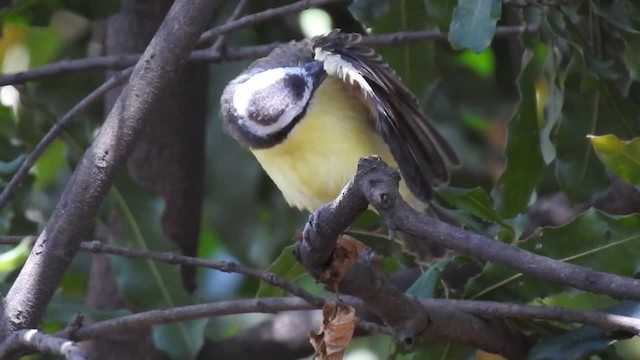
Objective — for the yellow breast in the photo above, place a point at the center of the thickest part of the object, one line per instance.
(320, 155)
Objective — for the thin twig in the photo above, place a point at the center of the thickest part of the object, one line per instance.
(155, 317)
(35, 340)
(99, 247)
(116, 62)
(605, 321)
(253, 19)
(56, 129)
(239, 9)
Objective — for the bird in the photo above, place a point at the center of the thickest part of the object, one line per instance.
(311, 109)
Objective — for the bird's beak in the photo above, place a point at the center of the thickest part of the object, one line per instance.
(315, 70)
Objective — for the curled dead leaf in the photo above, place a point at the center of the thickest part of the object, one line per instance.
(345, 255)
(338, 323)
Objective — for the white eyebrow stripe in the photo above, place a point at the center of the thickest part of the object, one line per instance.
(244, 92)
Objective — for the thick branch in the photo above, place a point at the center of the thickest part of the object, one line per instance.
(157, 69)
(376, 183)
(381, 191)
(365, 281)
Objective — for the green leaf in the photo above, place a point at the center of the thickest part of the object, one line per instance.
(476, 202)
(287, 267)
(585, 341)
(578, 172)
(525, 163)
(425, 286)
(474, 24)
(593, 239)
(621, 157)
(616, 14)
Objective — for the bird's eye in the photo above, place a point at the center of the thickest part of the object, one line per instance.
(296, 86)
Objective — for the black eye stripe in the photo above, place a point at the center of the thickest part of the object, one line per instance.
(296, 84)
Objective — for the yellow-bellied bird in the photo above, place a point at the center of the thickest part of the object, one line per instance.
(311, 109)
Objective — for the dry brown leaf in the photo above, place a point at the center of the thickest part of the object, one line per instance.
(344, 255)
(335, 335)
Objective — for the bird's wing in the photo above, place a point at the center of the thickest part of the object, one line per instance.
(417, 146)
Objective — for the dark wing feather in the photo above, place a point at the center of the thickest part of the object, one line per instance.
(416, 145)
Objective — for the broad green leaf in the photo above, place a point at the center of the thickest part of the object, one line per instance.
(578, 171)
(425, 286)
(524, 156)
(287, 267)
(621, 157)
(482, 63)
(474, 24)
(476, 202)
(616, 13)
(585, 341)
(149, 284)
(593, 239)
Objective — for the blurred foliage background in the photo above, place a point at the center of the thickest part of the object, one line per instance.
(517, 108)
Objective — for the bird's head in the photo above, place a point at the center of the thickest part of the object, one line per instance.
(261, 106)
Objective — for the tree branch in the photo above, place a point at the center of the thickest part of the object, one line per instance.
(99, 247)
(157, 69)
(156, 317)
(603, 320)
(376, 184)
(116, 62)
(253, 19)
(35, 340)
(399, 216)
(364, 280)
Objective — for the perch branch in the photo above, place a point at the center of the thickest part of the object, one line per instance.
(365, 281)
